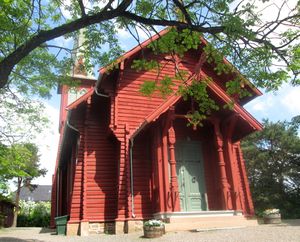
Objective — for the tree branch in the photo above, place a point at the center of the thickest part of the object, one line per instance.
(82, 8)
(180, 5)
(9, 62)
(174, 23)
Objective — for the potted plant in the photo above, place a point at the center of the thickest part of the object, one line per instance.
(272, 216)
(153, 228)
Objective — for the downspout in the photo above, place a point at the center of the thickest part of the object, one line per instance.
(131, 178)
(98, 83)
(58, 170)
(100, 94)
(71, 126)
(131, 166)
(57, 191)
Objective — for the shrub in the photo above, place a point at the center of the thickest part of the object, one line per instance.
(34, 214)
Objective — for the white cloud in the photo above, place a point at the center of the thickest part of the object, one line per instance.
(47, 142)
(64, 42)
(281, 105)
(291, 101)
(261, 104)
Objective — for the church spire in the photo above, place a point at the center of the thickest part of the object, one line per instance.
(79, 69)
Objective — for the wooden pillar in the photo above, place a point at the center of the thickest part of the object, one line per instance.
(160, 171)
(245, 180)
(235, 177)
(232, 162)
(174, 182)
(165, 149)
(226, 199)
(165, 166)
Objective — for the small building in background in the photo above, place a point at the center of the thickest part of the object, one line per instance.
(37, 194)
(6, 212)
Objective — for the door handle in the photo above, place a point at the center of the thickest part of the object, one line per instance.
(194, 179)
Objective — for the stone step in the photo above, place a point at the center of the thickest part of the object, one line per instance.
(196, 223)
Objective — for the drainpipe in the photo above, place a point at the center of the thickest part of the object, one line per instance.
(100, 94)
(131, 165)
(131, 178)
(71, 126)
(57, 191)
(98, 83)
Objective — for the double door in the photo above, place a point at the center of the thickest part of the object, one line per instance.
(190, 174)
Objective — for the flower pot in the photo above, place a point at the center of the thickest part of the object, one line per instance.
(272, 218)
(153, 231)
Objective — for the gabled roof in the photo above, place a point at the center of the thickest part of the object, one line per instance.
(103, 71)
(40, 193)
(216, 90)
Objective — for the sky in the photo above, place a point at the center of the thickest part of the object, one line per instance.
(281, 105)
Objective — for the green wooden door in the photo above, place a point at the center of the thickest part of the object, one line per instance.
(190, 176)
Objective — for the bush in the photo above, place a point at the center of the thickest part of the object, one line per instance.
(34, 214)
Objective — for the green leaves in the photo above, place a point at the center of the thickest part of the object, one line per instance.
(204, 105)
(19, 160)
(145, 65)
(164, 87)
(176, 42)
(148, 88)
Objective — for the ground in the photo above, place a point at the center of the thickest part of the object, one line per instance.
(289, 231)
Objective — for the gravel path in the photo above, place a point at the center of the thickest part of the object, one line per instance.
(287, 232)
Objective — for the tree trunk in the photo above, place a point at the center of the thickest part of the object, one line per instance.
(17, 199)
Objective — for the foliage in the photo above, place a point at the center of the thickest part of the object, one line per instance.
(20, 164)
(34, 214)
(235, 29)
(153, 223)
(273, 157)
(21, 118)
(34, 58)
(20, 161)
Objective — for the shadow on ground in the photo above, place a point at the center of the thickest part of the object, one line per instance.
(291, 222)
(47, 231)
(12, 239)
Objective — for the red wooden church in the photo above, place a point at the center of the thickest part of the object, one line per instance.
(124, 157)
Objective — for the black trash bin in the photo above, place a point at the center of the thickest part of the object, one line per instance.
(61, 224)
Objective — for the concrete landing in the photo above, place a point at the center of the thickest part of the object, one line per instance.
(181, 221)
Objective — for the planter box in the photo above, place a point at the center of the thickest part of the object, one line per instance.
(153, 231)
(272, 219)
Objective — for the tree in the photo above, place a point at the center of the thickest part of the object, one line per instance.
(236, 29)
(20, 163)
(273, 161)
(265, 50)
(21, 118)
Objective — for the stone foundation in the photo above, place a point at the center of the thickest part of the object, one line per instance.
(73, 229)
(118, 227)
(135, 226)
(84, 228)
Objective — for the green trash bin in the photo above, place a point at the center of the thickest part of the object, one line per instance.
(61, 224)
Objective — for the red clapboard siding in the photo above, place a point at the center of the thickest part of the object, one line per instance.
(131, 106)
(142, 175)
(101, 166)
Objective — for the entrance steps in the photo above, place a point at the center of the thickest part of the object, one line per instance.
(177, 221)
